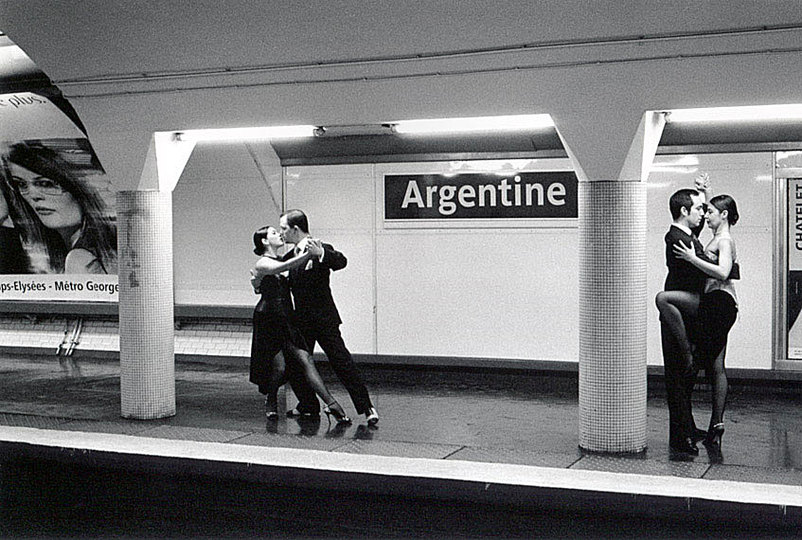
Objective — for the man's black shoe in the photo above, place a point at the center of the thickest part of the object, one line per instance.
(698, 435)
(686, 446)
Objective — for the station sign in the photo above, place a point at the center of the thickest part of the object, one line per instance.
(521, 195)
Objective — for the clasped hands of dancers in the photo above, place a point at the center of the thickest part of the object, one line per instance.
(296, 310)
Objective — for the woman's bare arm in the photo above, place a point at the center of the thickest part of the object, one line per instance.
(720, 270)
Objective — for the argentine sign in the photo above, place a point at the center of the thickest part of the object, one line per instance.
(522, 195)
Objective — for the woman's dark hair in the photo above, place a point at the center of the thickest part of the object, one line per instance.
(258, 240)
(725, 202)
(98, 230)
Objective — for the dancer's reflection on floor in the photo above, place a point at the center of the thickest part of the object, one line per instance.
(310, 426)
(70, 366)
(336, 430)
(365, 432)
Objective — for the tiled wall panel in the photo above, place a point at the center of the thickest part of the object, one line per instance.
(195, 338)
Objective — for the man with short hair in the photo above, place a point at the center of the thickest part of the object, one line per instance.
(687, 208)
(318, 320)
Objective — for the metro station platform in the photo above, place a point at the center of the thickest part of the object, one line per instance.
(457, 453)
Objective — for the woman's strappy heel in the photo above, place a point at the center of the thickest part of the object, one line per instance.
(714, 435)
(335, 409)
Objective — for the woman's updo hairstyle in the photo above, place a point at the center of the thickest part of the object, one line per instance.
(725, 202)
(258, 240)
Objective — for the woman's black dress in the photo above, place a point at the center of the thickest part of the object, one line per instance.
(272, 331)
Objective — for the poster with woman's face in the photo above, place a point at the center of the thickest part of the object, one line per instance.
(58, 234)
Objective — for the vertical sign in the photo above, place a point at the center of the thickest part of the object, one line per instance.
(794, 293)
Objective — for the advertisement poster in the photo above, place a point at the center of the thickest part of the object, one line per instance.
(794, 293)
(58, 234)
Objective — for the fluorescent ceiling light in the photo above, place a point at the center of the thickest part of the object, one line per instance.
(737, 114)
(482, 123)
(246, 134)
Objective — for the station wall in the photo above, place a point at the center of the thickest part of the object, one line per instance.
(748, 178)
(485, 291)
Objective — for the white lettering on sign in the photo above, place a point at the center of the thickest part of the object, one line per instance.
(448, 198)
(798, 216)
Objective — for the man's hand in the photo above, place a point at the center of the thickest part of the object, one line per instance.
(681, 251)
(256, 281)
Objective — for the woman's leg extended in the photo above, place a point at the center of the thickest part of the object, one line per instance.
(673, 305)
(311, 373)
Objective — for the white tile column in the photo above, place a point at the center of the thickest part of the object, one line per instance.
(612, 316)
(612, 163)
(147, 365)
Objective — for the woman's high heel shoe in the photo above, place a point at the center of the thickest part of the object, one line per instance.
(270, 410)
(714, 435)
(335, 409)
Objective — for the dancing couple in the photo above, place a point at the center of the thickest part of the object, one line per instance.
(293, 328)
(697, 309)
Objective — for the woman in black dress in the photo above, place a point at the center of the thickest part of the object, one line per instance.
(272, 330)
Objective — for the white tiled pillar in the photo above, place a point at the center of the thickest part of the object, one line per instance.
(612, 321)
(147, 363)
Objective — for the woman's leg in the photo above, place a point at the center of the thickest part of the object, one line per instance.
(717, 312)
(718, 383)
(311, 373)
(673, 305)
(316, 382)
(274, 382)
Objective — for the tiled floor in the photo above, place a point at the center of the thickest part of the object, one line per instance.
(456, 419)
(447, 414)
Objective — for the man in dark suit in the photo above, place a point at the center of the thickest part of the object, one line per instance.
(318, 320)
(687, 211)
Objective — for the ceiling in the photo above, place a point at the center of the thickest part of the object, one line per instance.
(85, 39)
(101, 40)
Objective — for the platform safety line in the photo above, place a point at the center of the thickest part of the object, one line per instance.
(468, 471)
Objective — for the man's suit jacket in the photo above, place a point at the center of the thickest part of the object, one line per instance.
(682, 275)
(311, 291)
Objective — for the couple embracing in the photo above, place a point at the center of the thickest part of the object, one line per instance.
(293, 328)
(697, 309)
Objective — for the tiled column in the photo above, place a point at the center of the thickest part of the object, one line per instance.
(612, 321)
(145, 242)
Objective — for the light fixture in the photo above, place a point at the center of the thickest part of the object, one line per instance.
(245, 134)
(756, 113)
(354, 130)
(474, 124)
